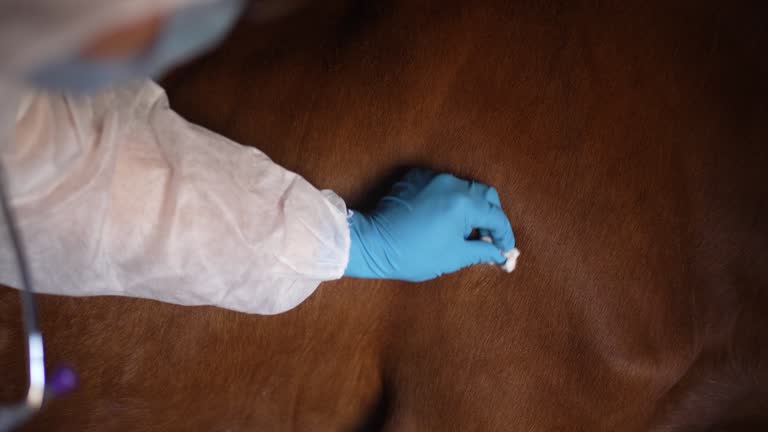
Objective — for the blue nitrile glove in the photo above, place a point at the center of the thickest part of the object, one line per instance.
(419, 231)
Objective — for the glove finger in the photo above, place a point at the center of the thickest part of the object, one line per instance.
(490, 194)
(491, 217)
(478, 251)
(486, 192)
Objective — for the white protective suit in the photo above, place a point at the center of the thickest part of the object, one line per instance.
(116, 194)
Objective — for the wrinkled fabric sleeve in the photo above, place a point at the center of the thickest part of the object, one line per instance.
(116, 194)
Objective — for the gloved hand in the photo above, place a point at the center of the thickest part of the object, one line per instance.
(419, 231)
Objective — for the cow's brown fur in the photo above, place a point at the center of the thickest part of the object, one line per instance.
(628, 146)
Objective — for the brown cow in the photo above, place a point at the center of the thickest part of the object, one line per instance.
(627, 142)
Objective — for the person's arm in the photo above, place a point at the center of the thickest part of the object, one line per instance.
(118, 195)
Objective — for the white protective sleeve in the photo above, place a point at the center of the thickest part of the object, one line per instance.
(116, 194)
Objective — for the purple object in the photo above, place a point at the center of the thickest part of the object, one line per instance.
(62, 380)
